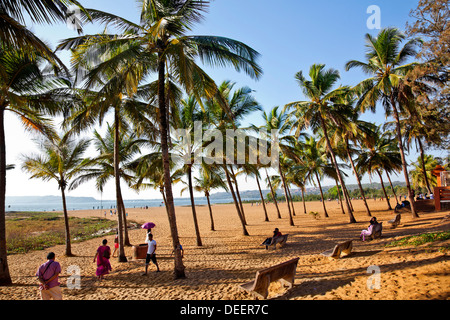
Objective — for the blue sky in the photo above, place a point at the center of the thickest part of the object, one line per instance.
(290, 35)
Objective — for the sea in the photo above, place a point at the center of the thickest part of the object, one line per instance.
(54, 203)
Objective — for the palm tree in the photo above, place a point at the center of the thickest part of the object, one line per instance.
(312, 164)
(378, 156)
(388, 82)
(186, 148)
(209, 180)
(28, 91)
(101, 167)
(160, 42)
(15, 35)
(427, 162)
(61, 161)
(324, 106)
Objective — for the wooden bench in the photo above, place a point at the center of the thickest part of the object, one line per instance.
(441, 195)
(283, 272)
(376, 231)
(280, 239)
(396, 221)
(343, 247)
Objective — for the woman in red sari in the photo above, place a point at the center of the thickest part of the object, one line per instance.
(103, 266)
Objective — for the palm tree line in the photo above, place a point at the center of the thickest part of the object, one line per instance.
(110, 75)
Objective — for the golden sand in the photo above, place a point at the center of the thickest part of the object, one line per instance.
(227, 258)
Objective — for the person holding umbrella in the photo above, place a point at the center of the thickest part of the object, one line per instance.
(148, 226)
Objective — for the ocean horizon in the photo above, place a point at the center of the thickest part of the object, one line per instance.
(54, 203)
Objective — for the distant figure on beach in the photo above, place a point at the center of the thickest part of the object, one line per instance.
(116, 243)
(368, 231)
(151, 255)
(268, 241)
(103, 265)
(48, 274)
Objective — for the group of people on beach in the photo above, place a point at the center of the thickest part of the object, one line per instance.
(48, 272)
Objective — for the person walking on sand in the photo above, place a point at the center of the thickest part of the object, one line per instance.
(103, 265)
(151, 253)
(48, 274)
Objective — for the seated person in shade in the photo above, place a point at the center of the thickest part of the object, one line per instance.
(368, 231)
(268, 241)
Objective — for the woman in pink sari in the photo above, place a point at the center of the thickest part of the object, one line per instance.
(103, 266)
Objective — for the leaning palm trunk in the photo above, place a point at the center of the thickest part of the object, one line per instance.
(238, 210)
(66, 223)
(210, 211)
(325, 213)
(339, 196)
(126, 238)
(5, 277)
(238, 195)
(291, 221)
(338, 172)
(122, 257)
(194, 212)
(266, 217)
(359, 183)
(274, 196)
(404, 165)
(303, 199)
(292, 201)
(384, 190)
(164, 132)
(392, 187)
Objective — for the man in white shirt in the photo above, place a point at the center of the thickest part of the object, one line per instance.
(151, 254)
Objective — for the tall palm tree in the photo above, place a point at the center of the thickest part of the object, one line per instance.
(386, 56)
(312, 165)
(209, 180)
(101, 167)
(27, 91)
(379, 155)
(62, 160)
(324, 106)
(160, 42)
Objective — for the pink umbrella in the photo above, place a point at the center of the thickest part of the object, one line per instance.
(148, 225)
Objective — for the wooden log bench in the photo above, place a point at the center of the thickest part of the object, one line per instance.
(376, 231)
(283, 272)
(396, 221)
(341, 248)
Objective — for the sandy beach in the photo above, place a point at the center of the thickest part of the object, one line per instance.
(227, 258)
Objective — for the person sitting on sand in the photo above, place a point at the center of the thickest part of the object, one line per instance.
(368, 231)
(268, 241)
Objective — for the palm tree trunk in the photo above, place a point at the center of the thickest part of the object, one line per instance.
(230, 185)
(5, 277)
(66, 223)
(210, 211)
(339, 196)
(338, 172)
(266, 217)
(273, 195)
(238, 195)
(404, 164)
(321, 194)
(424, 171)
(392, 187)
(303, 199)
(291, 221)
(122, 257)
(292, 202)
(384, 190)
(194, 212)
(164, 128)
(125, 225)
(359, 183)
